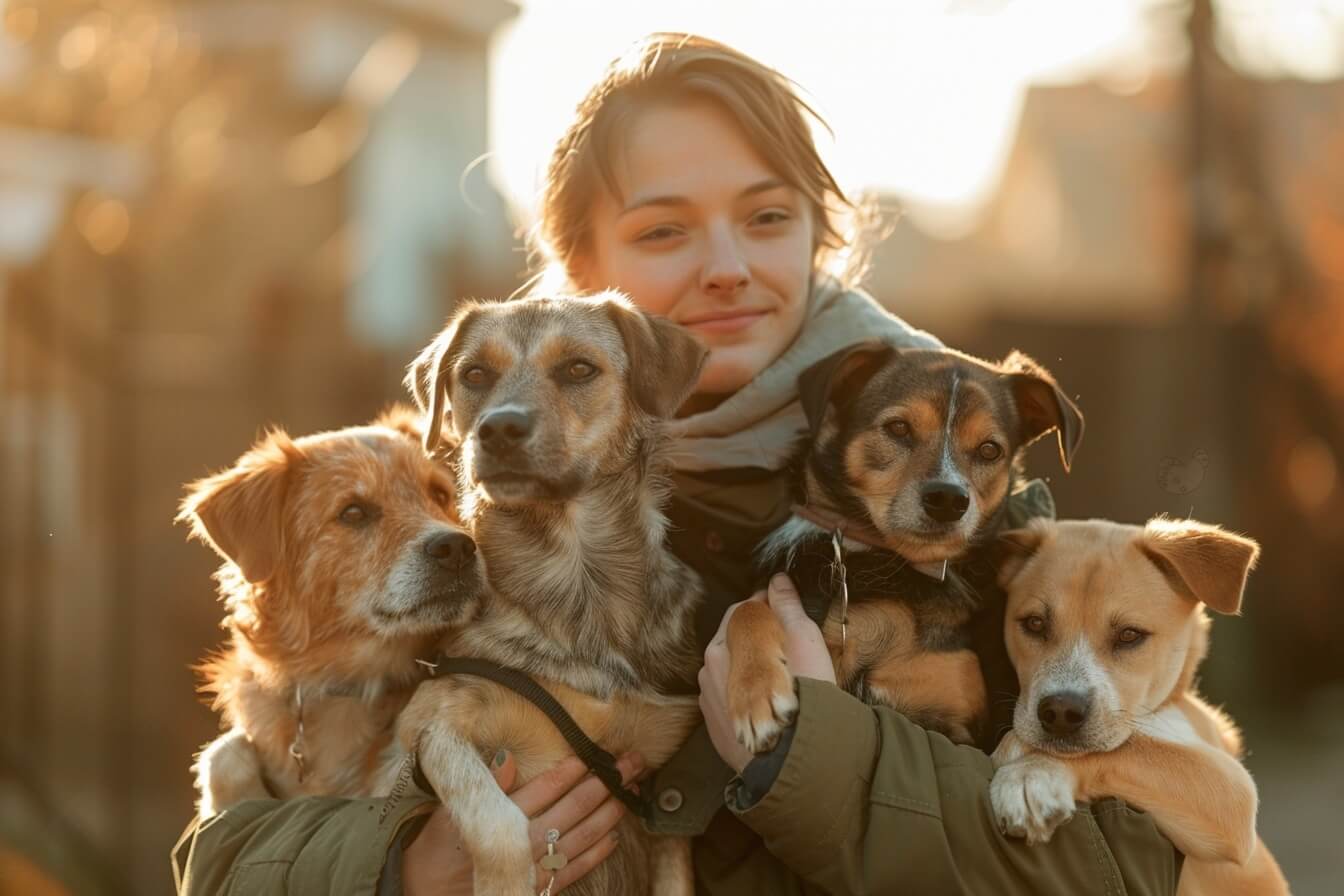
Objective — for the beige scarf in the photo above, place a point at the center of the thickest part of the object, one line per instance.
(761, 424)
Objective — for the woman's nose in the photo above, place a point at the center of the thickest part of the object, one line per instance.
(725, 272)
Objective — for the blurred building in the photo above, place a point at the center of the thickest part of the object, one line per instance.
(212, 215)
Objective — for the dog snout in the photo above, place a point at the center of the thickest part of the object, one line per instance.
(451, 550)
(1064, 713)
(945, 502)
(504, 429)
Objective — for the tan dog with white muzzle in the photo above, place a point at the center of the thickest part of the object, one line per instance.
(1106, 627)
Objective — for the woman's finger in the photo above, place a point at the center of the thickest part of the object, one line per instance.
(589, 831)
(805, 647)
(548, 788)
(581, 802)
(581, 864)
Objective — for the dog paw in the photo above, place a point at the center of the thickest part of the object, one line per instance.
(502, 856)
(763, 707)
(1032, 798)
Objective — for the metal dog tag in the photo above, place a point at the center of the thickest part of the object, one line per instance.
(554, 862)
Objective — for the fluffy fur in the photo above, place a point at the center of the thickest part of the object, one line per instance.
(559, 405)
(344, 560)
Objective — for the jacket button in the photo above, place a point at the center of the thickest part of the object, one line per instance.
(670, 800)
(713, 541)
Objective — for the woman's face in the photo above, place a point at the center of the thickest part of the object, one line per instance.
(706, 235)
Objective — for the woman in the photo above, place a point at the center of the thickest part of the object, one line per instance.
(690, 181)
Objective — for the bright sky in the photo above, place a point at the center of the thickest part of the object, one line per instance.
(923, 95)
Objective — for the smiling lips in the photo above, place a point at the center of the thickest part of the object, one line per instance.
(727, 321)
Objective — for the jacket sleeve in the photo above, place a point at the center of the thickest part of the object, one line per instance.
(867, 802)
(312, 845)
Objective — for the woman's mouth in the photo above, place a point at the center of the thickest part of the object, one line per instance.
(723, 322)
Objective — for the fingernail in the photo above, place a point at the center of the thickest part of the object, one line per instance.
(501, 756)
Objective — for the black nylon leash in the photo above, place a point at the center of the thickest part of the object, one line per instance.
(601, 763)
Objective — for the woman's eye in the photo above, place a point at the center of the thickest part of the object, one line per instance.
(1130, 637)
(989, 451)
(655, 234)
(475, 376)
(898, 428)
(580, 371)
(1034, 625)
(354, 515)
(772, 216)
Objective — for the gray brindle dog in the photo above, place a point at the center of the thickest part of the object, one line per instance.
(560, 407)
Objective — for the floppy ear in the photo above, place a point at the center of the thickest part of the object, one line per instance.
(843, 372)
(1204, 561)
(429, 377)
(239, 512)
(407, 421)
(1015, 547)
(1043, 406)
(664, 360)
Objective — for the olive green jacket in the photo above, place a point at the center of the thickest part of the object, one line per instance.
(864, 802)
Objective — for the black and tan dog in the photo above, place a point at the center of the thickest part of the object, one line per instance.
(560, 405)
(913, 457)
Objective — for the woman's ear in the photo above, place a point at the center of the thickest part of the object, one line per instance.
(842, 373)
(240, 512)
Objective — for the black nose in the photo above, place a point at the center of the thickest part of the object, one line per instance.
(504, 429)
(452, 550)
(1063, 714)
(946, 502)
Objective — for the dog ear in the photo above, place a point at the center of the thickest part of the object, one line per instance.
(1206, 562)
(663, 360)
(1043, 406)
(1012, 549)
(239, 512)
(843, 372)
(410, 423)
(429, 376)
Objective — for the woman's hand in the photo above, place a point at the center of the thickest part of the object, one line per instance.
(804, 648)
(565, 798)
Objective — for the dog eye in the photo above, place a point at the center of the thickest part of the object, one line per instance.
(439, 496)
(898, 428)
(1130, 637)
(354, 515)
(1034, 625)
(580, 371)
(475, 376)
(989, 451)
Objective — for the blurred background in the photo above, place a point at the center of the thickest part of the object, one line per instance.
(220, 214)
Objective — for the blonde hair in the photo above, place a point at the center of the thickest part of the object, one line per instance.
(667, 67)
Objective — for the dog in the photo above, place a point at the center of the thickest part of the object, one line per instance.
(344, 561)
(1106, 628)
(913, 455)
(560, 407)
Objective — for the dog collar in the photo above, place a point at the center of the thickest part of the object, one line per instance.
(833, 521)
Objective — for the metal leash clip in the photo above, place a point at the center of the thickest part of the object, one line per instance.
(837, 541)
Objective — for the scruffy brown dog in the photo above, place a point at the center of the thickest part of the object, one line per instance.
(344, 560)
(913, 456)
(560, 407)
(1106, 628)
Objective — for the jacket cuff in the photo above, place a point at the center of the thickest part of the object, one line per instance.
(827, 770)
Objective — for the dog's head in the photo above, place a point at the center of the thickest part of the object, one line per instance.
(351, 531)
(549, 394)
(923, 443)
(1104, 621)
